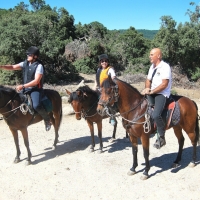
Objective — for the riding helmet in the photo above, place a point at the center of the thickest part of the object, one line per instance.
(103, 56)
(33, 50)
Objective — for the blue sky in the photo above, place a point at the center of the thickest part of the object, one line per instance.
(120, 14)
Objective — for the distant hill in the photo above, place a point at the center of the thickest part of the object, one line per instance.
(149, 34)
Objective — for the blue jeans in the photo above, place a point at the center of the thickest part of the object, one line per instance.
(159, 101)
(36, 96)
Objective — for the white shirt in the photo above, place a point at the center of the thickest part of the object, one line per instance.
(111, 72)
(163, 72)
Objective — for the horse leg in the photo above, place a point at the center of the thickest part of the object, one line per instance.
(26, 142)
(91, 127)
(181, 139)
(16, 140)
(56, 123)
(99, 127)
(134, 143)
(145, 145)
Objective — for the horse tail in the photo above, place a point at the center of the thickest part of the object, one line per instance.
(61, 114)
(197, 125)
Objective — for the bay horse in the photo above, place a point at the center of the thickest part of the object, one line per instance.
(12, 109)
(133, 108)
(84, 102)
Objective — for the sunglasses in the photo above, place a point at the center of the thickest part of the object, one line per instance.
(29, 54)
(104, 61)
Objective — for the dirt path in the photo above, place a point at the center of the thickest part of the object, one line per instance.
(71, 172)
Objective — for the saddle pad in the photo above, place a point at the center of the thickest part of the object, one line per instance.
(175, 116)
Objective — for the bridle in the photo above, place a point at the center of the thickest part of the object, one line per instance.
(115, 96)
(84, 113)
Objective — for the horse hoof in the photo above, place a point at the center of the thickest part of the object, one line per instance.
(130, 173)
(28, 163)
(144, 177)
(111, 140)
(53, 147)
(17, 160)
(99, 151)
(192, 164)
(91, 150)
(175, 165)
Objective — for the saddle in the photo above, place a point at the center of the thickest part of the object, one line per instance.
(46, 102)
(170, 114)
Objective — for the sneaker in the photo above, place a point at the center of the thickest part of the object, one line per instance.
(159, 142)
(47, 125)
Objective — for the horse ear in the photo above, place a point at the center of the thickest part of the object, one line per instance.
(68, 92)
(78, 93)
(84, 94)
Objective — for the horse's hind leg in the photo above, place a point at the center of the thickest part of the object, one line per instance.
(16, 140)
(181, 139)
(56, 123)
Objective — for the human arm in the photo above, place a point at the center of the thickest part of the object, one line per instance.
(11, 67)
(33, 83)
(160, 88)
(147, 87)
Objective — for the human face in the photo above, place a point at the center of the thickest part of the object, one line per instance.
(30, 57)
(155, 56)
(104, 63)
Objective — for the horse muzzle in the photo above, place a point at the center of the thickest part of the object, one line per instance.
(102, 110)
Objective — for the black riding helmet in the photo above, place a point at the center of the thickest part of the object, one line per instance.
(33, 50)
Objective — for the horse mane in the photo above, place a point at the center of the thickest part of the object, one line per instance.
(7, 89)
(12, 92)
(86, 89)
(107, 83)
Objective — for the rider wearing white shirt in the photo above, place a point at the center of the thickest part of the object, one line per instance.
(157, 88)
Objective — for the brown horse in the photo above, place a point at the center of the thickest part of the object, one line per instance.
(133, 109)
(12, 107)
(84, 102)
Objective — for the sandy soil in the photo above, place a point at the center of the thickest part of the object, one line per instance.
(70, 172)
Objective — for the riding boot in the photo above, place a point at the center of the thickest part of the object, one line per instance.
(45, 116)
(160, 142)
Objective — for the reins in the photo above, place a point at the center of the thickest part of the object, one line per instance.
(23, 107)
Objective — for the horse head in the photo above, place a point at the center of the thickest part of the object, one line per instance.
(75, 99)
(109, 95)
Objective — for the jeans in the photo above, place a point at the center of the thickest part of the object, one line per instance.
(159, 101)
(36, 96)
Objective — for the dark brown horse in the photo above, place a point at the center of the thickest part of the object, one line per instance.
(12, 107)
(133, 109)
(84, 102)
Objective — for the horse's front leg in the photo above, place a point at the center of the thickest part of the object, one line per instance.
(145, 144)
(16, 140)
(99, 126)
(134, 143)
(91, 127)
(26, 142)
